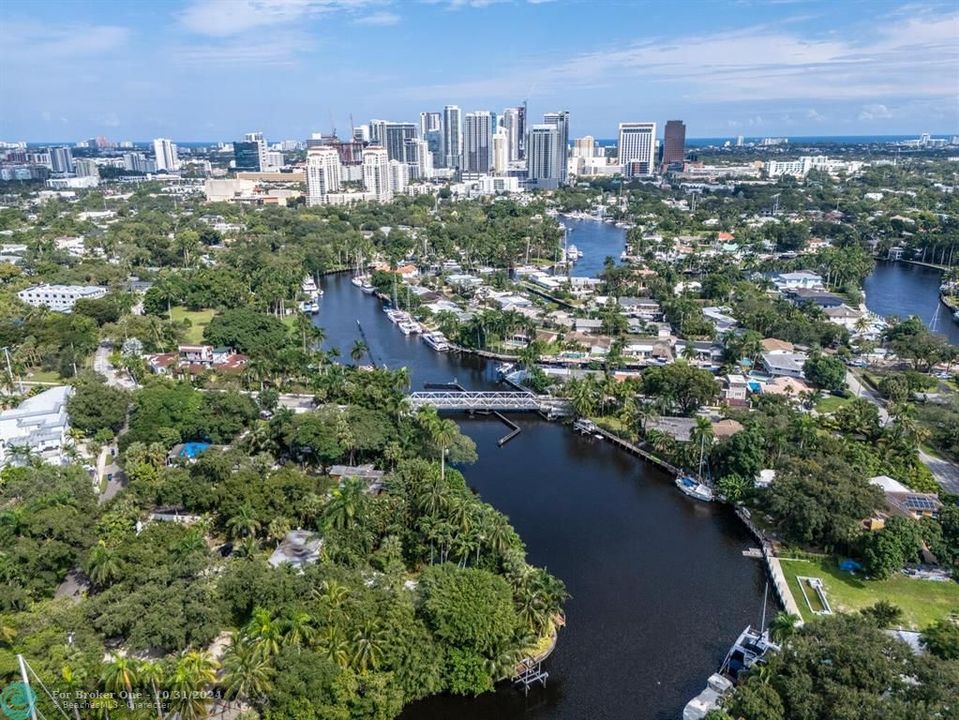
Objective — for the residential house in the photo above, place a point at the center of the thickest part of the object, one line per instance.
(39, 425)
(904, 501)
(783, 364)
(735, 390)
(794, 280)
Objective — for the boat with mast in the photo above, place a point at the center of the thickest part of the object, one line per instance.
(694, 486)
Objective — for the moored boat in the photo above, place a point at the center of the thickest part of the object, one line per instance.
(437, 341)
(694, 488)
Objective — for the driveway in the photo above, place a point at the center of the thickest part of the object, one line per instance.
(102, 365)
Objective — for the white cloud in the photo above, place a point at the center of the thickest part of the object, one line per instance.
(875, 111)
(916, 56)
(58, 43)
(223, 18)
(812, 114)
(378, 18)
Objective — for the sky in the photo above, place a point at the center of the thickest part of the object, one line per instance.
(215, 69)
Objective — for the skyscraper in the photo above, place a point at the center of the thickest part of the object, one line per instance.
(452, 137)
(561, 121)
(431, 130)
(637, 148)
(376, 173)
(674, 142)
(246, 156)
(513, 120)
(261, 148)
(500, 152)
(542, 153)
(399, 176)
(166, 157)
(477, 142)
(419, 159)
(322, 173)
(86, 167)
(61, 160)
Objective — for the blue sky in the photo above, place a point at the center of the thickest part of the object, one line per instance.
(214, 69)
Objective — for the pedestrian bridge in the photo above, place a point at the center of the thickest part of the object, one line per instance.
(491, 402)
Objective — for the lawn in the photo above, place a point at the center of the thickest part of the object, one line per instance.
(922, 601)
(199, 318)
(831, 403)
(47, 376)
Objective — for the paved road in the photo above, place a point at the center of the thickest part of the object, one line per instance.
(101, 364)
(861, 390)
(945, 472)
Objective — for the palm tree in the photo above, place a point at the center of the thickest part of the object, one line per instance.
(75, 681)
(345, 505)
(783, 626)
(331, 594)
(298, 630)
(264, 632)
(702, 435)
(582, 393)
(103, 565)
(334, 646)
(243, 524)
(120, 675)
(194, 671)
(152, 675)
(368, 643)
(247, 674)
(358, 350)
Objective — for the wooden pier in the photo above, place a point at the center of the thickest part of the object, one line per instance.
(636, 450)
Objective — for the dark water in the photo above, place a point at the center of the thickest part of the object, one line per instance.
(659, 586)
(900, 289)
(597, 240)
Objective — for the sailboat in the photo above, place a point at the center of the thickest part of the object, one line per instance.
(694, 486)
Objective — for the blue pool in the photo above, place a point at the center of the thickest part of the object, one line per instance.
(193, 449)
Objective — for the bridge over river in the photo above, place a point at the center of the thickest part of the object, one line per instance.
(474, 401)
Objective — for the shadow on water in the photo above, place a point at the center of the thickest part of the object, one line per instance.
(659, 586)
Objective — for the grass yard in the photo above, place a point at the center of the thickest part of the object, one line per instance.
(47, 376)
(922, 601)
(199, 318)
(831, 404)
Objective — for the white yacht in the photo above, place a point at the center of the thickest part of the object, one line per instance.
(437, 341)
(573, 253)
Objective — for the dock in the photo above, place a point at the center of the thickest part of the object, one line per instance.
(636, 450)
(529, 672)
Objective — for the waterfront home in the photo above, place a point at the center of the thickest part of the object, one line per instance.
(370, 475)
(783, 364)
(704, 352)
(644, 308)
(726, 428)
(819, 298)
(687, 286)
(765, 478)
(464, 283)
(588, 325)
(904, 501)
(843, 316)
(788, 386)
(793, 280)
(195, 359)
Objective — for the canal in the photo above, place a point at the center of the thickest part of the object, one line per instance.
(901, 289)
(659, 585)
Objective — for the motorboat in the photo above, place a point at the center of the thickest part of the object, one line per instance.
(573, 253)
(694, 488)
(750, 647)
(406, 326)
(437, 341)
(309, 285)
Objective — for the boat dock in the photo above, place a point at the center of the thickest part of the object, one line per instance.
(773, 566)
(528, 672)
(636, 450)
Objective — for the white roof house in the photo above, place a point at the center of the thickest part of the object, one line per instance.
(791, 280)
(39, 424)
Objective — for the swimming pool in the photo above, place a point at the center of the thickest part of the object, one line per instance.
(193, 449)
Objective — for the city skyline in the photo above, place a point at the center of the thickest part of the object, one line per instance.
(213, 69)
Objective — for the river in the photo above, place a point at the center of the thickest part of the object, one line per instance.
(658, 582)
(902, 289)
(597, 240)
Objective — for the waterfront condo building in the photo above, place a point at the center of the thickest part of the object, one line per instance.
(322, 173)
(452, 137)
(513, 122)
(166, 156)
(561, 121)
(376, 173)
(637, 148)
(543, 152)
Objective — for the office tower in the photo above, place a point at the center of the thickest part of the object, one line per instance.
(61, 160)
(399, 176)
(322, 173)
(477, 142)
(419, 159)
(674, 142)
(361, 133)
(521, 130)
(274, 160)
(392, 136)
(84, 167)
(166, 157)
(500, 152)
(452, 137)
(542, 153)
(561, 121)
(376, 173)
(431, 130)
(246, 156)
(739, 141)
(637, 148)
(257, 137)
(510, 122)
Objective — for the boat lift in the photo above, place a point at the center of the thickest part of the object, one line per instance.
(528, 672)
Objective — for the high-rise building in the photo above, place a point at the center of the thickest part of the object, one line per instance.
(452, 137)
(542, 156)
(137, 162)
(166, 156)
(246, 156)
(637, 148)
(399, 176)
(500, 152)
(510, 122)
(561, 121)
(419, 159)
(521, 130)
(361, 133)
(322, 173)
(431, 130)
(477, 142)
(674, 142)
(261, 148)
(85, 167)
(392, 136)
(739, 141)
(61, 160)
(584, 147)
(376, 173)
